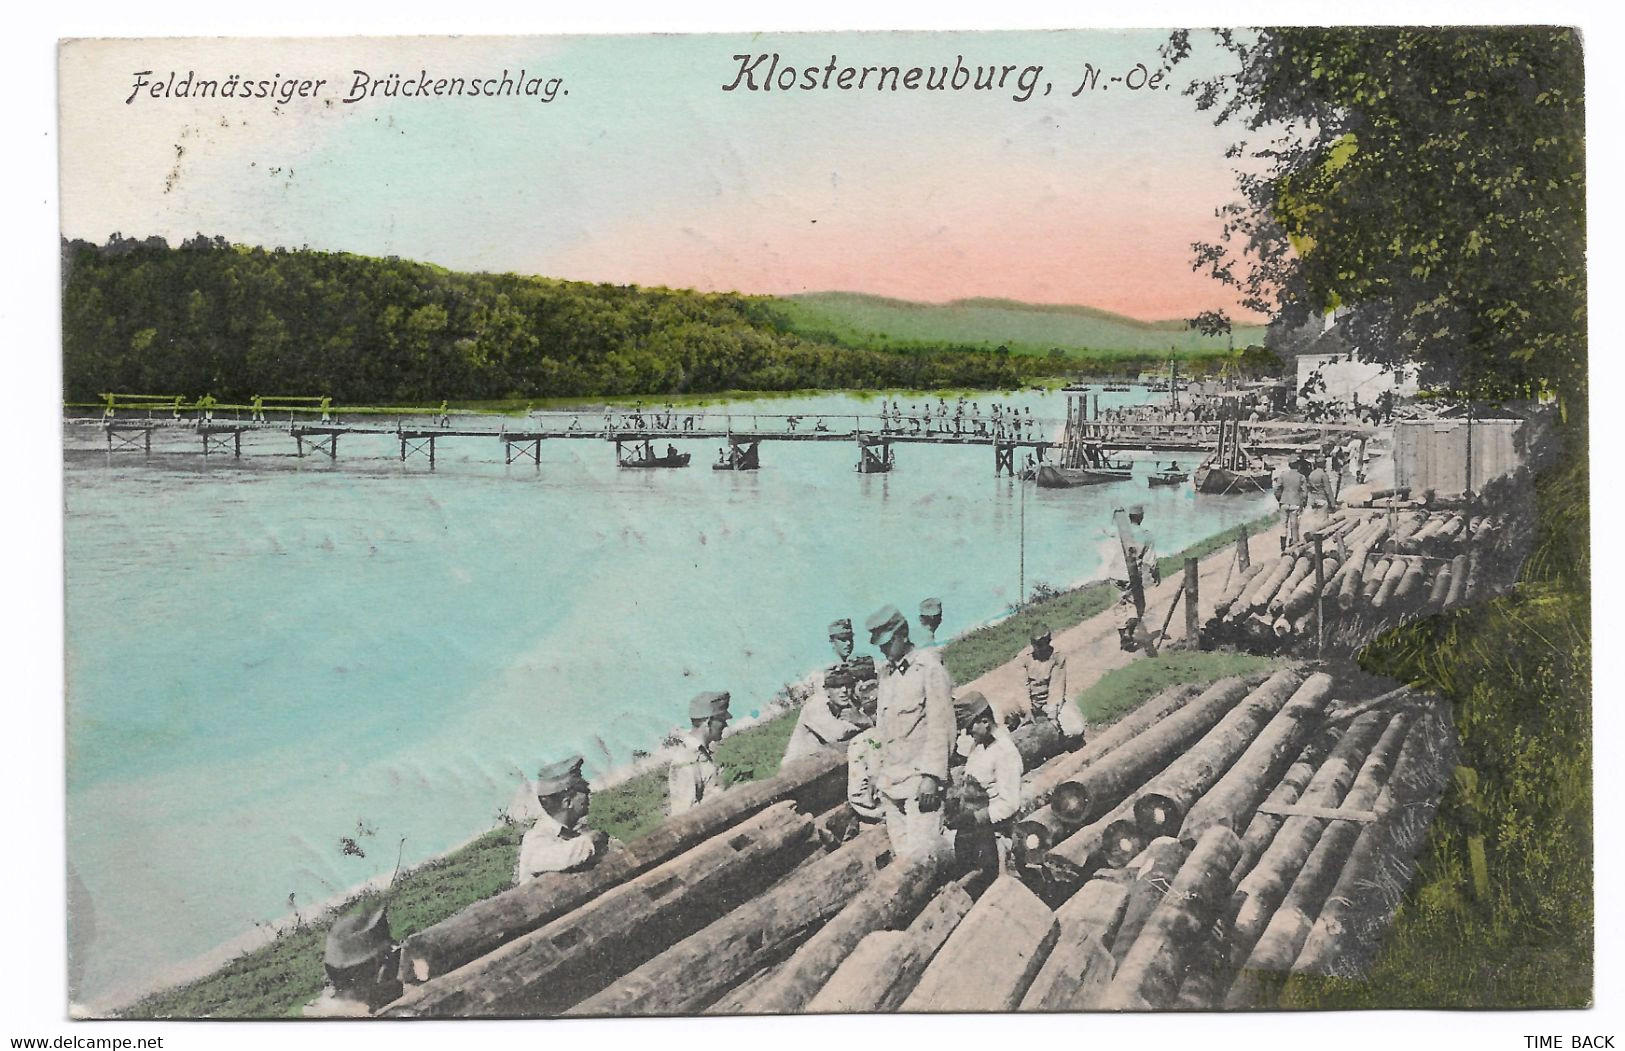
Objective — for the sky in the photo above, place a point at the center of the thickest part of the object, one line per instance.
(642, 169)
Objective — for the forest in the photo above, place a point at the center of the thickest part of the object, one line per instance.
(210, 317)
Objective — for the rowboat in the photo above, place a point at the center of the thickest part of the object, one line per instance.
(1051, 476)
(644, 456)
(1169, 476)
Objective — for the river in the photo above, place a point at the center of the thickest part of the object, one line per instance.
(270, 654)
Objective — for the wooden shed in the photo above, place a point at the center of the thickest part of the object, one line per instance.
(1438, 454)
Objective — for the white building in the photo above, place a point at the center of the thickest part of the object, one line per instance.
(1330, 369)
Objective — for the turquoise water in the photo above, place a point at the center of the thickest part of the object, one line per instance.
(267, 655)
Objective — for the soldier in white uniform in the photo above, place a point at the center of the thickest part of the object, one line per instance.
(694, 775)
(362, 964)
(832, 712)
(914, 732)
(991, 795)
(1045, 672)
(558, 842)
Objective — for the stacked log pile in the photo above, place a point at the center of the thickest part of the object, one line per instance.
(1215, 836)
(1378, 567)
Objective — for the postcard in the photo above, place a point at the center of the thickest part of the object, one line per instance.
(814, 523)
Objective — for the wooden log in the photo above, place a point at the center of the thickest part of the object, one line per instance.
(1397, 568)
(1474, 592)
(899, 892)
(1163, 802)
(1347, 933)
(1081, 964)
(1263, 888)
(1101, 785)
(1149, 876)
(1232, 800)
(884, 968)
(1302, 570)
(1338, 751)
(1154, 968)
(1353, 579)
(1304, 595)
(813, 782)
(1041, 828)
(701, 967)
(1228, 597)
(992, 956)
(1441, 586)
(1289, 926)
(1410, 590)
(1257, 595)
(1042, 782)
(1375, 577)
(547, 970)
(1458, 582)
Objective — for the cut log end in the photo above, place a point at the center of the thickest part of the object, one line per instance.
(1157, 814)
(1122, 842)
(1070, 803)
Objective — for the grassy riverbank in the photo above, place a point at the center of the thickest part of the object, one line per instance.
(278, 978)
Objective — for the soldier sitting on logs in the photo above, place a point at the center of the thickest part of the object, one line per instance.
(833, 711)
(1045, 671)
(362, 964)
(558, 842)
(694, 775)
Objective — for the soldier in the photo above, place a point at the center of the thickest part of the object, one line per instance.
(558, 842)
(991, 793)
(362, 965)
(930, 620)
(914, 732)
(832, 711)
(1045, 671)
(694, 774)
(1139, 547)
(1291, 494)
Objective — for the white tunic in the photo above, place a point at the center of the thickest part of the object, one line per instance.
(997, 767)
(549, 847)
(693, 775)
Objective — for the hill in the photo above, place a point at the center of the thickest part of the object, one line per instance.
(854, 319)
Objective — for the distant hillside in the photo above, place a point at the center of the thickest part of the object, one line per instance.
(854, 319)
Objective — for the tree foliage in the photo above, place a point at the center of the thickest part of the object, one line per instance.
(1432, 181)
(214, 318)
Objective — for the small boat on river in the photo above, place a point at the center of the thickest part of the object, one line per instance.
(1173, 474)
(1231, 468)
(643, 455)
(741, 456)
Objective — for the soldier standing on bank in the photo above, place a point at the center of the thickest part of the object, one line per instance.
(694, 775)
(930, 620)
(914, 732)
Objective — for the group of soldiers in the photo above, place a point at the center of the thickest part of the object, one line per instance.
(940, 772)
(1312, 485)
(1000, 421)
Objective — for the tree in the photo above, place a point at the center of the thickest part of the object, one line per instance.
(1429, 181)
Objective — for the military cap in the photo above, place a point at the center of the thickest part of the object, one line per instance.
(1137, 509)
(884, 623)
(1042, 633)
(841, 628)
(712, 704)
(357, 938)
(558, 777)
(969, 705)
(931, 607)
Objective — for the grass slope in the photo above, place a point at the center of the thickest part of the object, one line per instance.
(855, 319)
